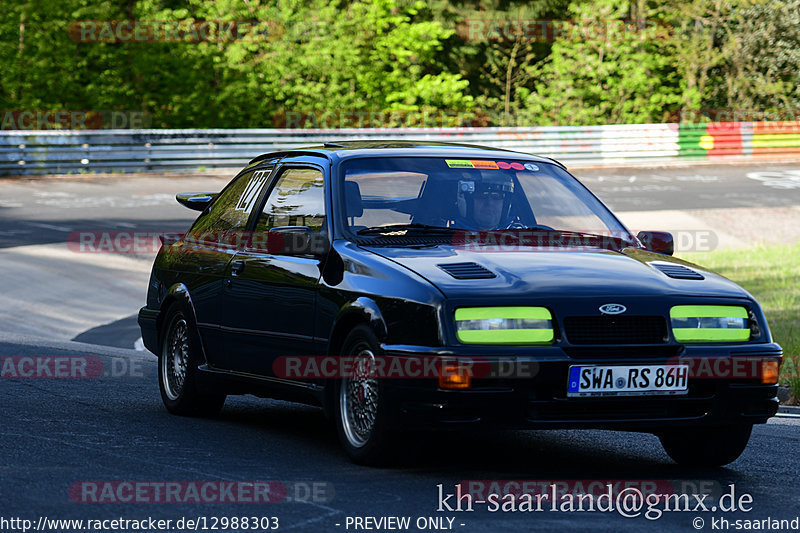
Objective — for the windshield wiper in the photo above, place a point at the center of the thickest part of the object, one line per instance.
(543, 236)
(405, 229)
(546, 236)
(571, 235)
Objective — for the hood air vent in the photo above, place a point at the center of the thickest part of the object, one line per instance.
(467, 271)
(677, 271)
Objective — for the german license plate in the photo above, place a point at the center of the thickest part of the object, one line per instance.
(639, 380)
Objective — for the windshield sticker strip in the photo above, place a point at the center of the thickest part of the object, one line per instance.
(459, 163)
(506, 166)
(463, 163)
(494, 165)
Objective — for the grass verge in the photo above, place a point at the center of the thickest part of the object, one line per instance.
(772, 275)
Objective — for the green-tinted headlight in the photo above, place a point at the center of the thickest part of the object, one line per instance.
(710, 323)
(504, 325)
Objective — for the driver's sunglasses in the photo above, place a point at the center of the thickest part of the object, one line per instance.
(491, 195)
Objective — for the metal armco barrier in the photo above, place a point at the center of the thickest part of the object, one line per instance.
(57, 152)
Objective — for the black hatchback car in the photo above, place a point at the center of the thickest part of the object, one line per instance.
(417, 286)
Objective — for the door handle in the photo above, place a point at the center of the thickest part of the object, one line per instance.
(237, 267)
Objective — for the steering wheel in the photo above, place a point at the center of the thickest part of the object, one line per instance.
(516, 224)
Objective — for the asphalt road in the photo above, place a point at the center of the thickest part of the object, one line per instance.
(699, 187)
(64, 440)
(53, 289)
(47, 211)
(40, 211)
(60, 436)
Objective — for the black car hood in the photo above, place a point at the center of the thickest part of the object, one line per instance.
(558, 272)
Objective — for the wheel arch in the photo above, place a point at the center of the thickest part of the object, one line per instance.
(362, 310)
(178, 294)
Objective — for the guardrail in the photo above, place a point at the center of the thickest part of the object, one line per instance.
(56, 152)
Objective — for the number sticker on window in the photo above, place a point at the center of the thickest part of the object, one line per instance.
(248, 199)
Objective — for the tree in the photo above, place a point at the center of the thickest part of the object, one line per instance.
(604, 70)
(500, 41)
(762, 58)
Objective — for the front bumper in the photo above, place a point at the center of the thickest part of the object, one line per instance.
(539, 400)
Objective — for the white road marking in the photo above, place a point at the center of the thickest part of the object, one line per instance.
(787, 179)
(49, 226)
(53, 194)
(782, 421)
(116, 202)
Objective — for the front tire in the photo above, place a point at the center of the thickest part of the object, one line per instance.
(177, 369)
(708, 447)
(360, 402)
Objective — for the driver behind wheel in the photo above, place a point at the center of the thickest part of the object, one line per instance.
(484, 202)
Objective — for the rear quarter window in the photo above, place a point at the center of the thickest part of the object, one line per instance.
(233, 207)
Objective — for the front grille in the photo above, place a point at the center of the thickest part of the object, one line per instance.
(616, 329)
(627, 352)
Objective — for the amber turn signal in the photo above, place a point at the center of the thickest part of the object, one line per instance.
(455, 377)
(769, 372)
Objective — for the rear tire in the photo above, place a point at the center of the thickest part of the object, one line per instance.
(177, 369)
(360, 403)
(709, 447)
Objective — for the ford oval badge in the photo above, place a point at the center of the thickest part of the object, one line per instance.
(612, 309)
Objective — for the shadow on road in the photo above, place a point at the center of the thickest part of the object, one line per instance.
(538, 455)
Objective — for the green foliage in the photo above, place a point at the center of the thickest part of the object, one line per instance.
(605, 70)
(611, 61)
(762, 52)
(368, 56)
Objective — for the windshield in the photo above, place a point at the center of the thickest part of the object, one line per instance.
(428, 193)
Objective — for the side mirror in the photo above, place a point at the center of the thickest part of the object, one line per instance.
(197, 201)
(296, 240)
(657, 241)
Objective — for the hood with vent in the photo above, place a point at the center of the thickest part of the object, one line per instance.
(459, 272)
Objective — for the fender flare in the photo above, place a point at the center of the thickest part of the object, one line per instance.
(362, 309)
(178, 293)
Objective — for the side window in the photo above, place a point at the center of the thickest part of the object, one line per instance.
(234, 205)
(298, 199)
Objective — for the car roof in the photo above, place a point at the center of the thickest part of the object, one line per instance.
(340, 150)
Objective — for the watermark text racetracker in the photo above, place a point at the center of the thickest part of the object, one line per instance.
(69, 367)
(548, 30)
(48, 119)
(149, 523)
(734, 118)
(174, 31)
(509, 240)
(403, 367)
(201, 491)
(377, 119)
(146, 242)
